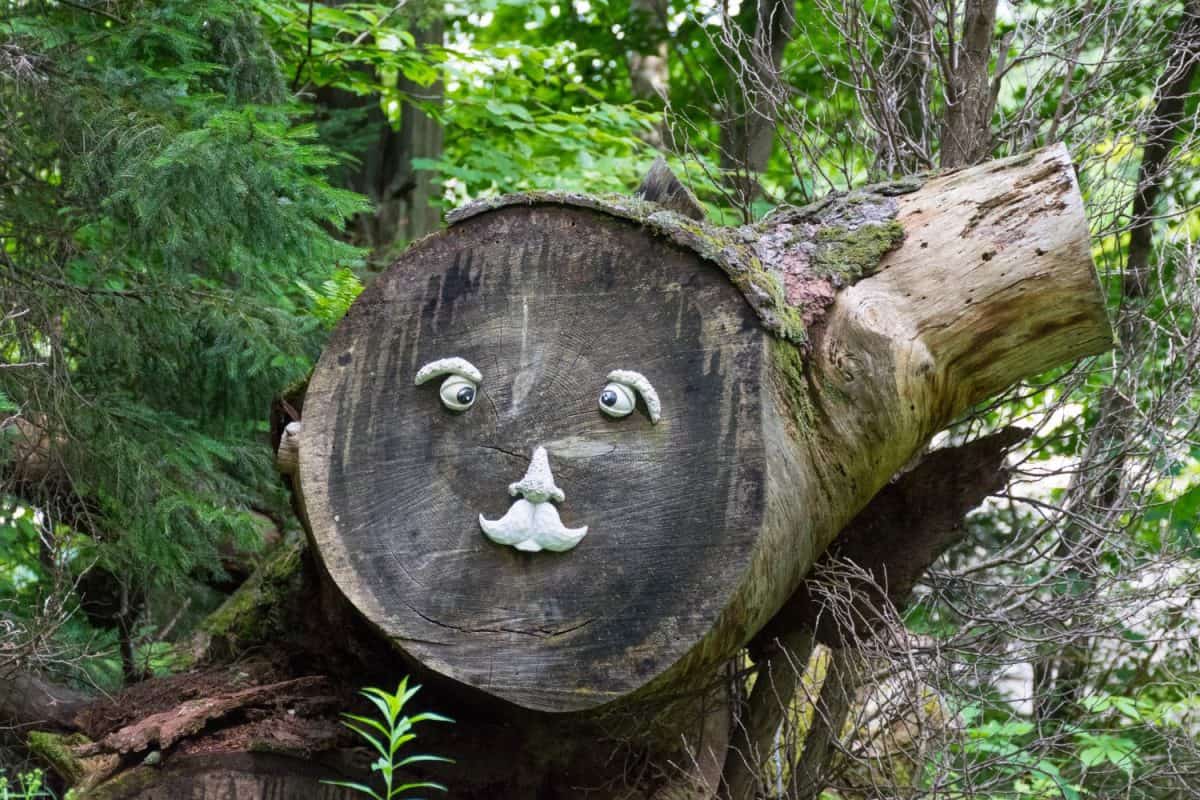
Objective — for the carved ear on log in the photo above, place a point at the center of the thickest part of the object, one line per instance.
(799, 364)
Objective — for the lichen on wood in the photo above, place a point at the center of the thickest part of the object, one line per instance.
(825, 246)
(789, 266)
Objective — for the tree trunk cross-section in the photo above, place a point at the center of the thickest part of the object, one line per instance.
(801, 362)
(545, 302)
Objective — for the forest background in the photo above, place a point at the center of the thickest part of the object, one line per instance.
(192, 193)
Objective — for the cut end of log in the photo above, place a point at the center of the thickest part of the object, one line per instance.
(549, 304)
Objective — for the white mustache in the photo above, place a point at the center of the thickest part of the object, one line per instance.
(532, 527)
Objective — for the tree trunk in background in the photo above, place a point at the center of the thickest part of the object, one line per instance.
(384, 172)
(648, 74)
(755, 95)
(407, 201)
(1059, 678)
(966, 129)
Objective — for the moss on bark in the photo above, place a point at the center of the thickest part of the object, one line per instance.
(127, 784)
(255, 612)
(60, 752)
(55, 751)
(854, 254)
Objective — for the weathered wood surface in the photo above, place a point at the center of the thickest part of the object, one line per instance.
(702, 525)
(28, 699)
(545, 302)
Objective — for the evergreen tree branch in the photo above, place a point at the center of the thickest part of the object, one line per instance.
(93, 10)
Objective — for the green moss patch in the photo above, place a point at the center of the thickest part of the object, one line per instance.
(55, 750)
(255, 611)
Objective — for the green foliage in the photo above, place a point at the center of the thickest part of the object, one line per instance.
(1003, 751)
(519, 112)
(166, 210)
(532, 125)
(387, 735)
(20, 568)
(330, 303)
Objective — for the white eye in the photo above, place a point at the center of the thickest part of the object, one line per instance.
(617, 400)
(458, 393)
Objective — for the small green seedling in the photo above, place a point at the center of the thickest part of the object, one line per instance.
(387, 737)
(24, 786)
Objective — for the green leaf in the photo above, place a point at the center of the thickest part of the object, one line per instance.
(368, 722)
(389, 736)
(414, 759)
(357, 787)
(420, 73)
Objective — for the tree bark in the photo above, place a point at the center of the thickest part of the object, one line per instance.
(777, 677)
(649, 67)
(904, 150)
(27, 699)
(811, 773)
(748, 133)
(966, 130)
(407, 203)
(383, 170)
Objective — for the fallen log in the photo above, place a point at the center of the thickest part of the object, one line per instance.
(565, 458)
(791, 368)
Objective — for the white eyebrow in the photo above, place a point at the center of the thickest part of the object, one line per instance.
(638, 381)
(449, 366)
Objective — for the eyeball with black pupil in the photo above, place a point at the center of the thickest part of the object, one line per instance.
(617, 400)
(458, 393)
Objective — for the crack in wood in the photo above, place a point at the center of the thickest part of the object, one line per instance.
(505, 451)
(537, 633)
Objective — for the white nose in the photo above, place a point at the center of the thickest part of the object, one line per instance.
(538, 484)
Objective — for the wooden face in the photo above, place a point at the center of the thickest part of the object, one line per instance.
(545, 302)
